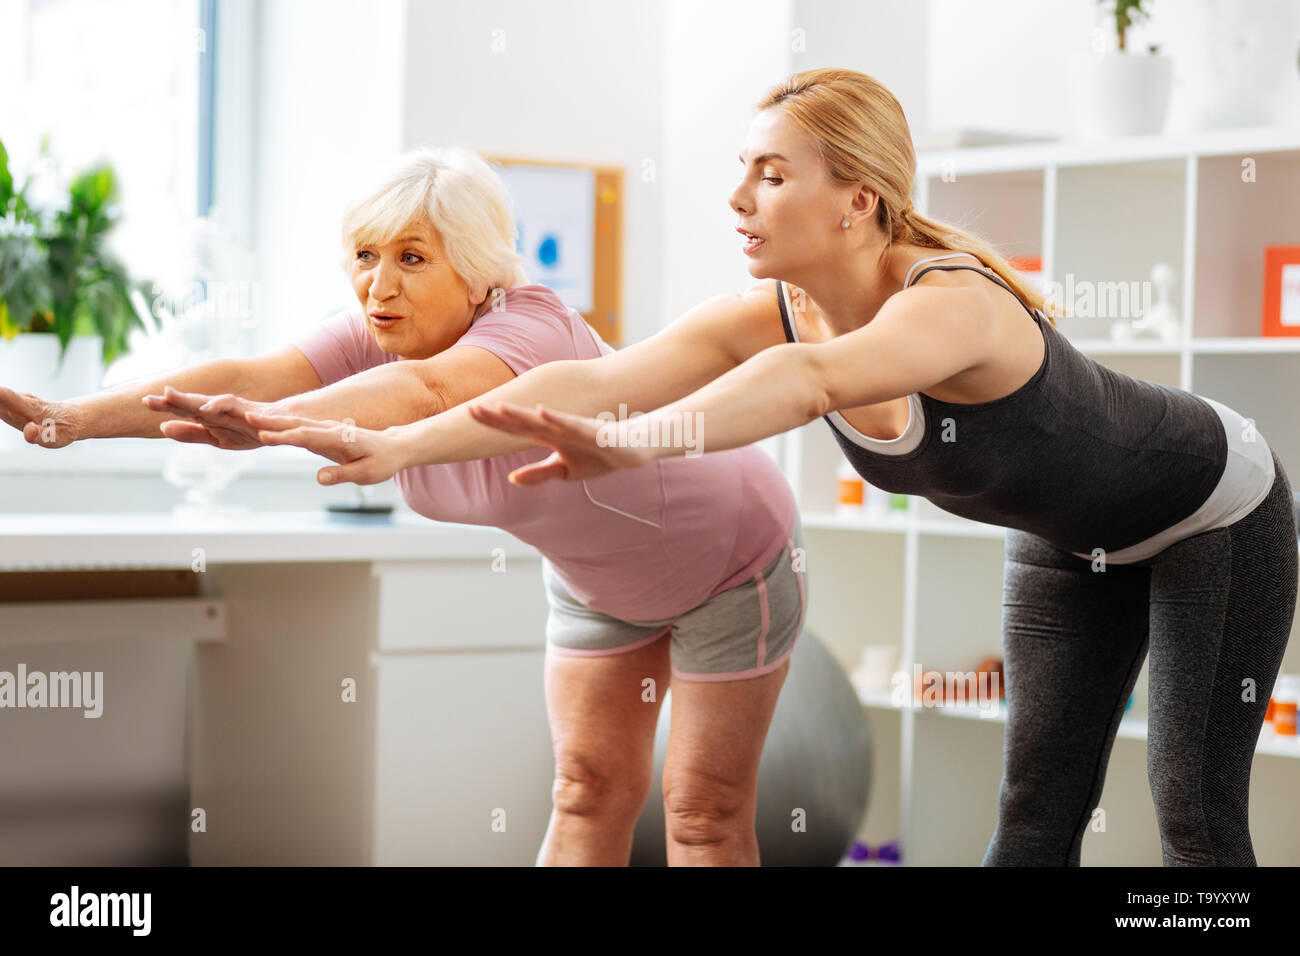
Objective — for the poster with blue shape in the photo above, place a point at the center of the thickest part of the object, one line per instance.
(555, 210)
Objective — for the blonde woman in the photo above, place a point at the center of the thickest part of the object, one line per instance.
(942, 374)
(685, 575)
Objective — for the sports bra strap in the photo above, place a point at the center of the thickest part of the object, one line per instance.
(988, 274)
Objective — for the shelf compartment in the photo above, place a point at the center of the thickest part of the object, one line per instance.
(1235, 220)
(854, 591)
(959, 601)
(1110, 256)
(1005, 209)
(1265, 388)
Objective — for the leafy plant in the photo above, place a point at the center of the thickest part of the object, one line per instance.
(1127, 13)
(57, 274)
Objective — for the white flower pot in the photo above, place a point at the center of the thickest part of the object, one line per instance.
(1120, 94)
(29, 362)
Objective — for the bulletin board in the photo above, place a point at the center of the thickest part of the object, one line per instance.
(570, 218)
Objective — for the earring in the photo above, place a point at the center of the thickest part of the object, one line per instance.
(845, 224)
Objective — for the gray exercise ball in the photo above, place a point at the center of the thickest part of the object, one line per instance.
(817, 758)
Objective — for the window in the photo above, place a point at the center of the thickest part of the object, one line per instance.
(118, 82)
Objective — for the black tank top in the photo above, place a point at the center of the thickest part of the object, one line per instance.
(1083, 456)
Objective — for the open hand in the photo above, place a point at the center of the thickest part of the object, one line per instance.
(42, 422)
(214, 419)
(366, 456)
(576, 441)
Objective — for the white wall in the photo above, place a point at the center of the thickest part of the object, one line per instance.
(886, 39)
(563, 79)
(720, 58)
(329, 105)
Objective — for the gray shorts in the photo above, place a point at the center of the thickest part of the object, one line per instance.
(745, 631)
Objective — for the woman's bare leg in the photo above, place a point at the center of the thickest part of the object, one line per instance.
(711, 769)
(603, 721)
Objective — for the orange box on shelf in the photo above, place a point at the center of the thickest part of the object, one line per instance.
(1281, 291)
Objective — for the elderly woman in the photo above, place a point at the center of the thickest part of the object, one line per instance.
(701, 550)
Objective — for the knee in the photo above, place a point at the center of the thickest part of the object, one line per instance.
(1201, 825)
(587, 786)
(1031, 832)
(703, 808)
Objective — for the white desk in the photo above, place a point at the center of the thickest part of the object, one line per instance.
(238, 692)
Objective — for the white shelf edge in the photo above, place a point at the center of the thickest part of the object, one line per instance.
(1032, 157)
(1111, 347)
(829, 521)
(84, 459)
(1132, 727)
(1246, 343)
(956, 527)
(959, 528)
(1221, 345)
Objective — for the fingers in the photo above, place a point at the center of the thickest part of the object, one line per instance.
(269, 422)
(548, 420)
(190, 432)
(303, 437)
(359, 472)
(16, 398)
(188, 404)
(517, 420)
(222, 404)
(503, 422)
(322, 441)
(189, 401)
(548, 469)
(56, 435)
(16, 407)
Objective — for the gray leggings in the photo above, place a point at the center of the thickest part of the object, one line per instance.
(1216, 611)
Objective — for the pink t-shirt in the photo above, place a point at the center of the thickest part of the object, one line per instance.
(641, 544)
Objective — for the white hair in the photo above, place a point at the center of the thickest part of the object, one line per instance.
(457, 193)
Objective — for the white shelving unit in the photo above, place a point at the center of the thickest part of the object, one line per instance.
(930, 582)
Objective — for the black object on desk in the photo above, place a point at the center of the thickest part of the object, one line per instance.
(359, 513)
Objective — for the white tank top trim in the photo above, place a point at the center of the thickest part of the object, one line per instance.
(909, 440)
(1246, 480)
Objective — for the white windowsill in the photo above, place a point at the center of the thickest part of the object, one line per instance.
(141, 457)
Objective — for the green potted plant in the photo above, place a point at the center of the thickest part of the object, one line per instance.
(67, 303)
(1117, 91)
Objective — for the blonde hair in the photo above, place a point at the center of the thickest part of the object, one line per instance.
(456, 192)
(862, 136)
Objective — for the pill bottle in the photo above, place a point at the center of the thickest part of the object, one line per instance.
(1285, 700)
(849, 493)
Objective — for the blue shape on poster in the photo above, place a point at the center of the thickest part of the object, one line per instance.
(548, 251)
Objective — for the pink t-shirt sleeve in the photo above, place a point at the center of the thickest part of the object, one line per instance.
(340, 346)
(523, 335)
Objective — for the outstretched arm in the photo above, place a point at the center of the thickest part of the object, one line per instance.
(118, 412)
(391, 394)
(919, 338)
(704, 343)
